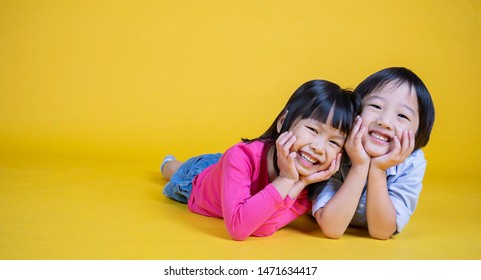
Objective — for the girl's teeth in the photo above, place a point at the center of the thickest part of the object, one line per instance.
(379, 137)
(308, 159)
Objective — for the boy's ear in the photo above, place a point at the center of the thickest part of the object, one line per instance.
(280, 121)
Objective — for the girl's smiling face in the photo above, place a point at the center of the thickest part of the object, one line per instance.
(388, 112)
(317, 145)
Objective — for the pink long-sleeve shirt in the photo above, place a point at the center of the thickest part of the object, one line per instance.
(237, 189)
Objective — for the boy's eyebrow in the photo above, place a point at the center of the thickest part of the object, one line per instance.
(384, 99)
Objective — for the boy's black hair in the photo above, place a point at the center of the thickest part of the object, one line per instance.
(400, 76)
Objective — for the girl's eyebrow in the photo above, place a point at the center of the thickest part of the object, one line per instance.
(384, 100)
(340, 137)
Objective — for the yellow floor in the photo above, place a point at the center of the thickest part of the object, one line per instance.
(113, 209)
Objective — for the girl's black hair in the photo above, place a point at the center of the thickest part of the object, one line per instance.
(400, 76)
(315, 99)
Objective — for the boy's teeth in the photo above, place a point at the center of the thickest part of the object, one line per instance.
(379, 136)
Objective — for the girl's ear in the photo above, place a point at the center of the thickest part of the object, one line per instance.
(280, 121)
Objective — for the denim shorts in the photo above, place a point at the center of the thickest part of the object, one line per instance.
(180, 185)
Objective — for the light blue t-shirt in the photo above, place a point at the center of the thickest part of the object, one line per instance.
(404, 183)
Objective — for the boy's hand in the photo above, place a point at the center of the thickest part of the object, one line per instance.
(401, 151)
(285, 158)
(353, 146)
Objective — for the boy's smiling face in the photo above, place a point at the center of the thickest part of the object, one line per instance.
(388, 112)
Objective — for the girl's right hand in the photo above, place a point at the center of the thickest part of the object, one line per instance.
(324, 174)
(285, 158)
(354, 147)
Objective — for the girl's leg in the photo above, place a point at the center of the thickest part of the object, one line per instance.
(169, 167)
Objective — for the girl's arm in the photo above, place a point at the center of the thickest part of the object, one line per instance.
(380, 210)
(245, 205)
(335, 216)
(249, 207)
(288, 175)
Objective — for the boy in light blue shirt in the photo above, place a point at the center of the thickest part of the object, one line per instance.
(381, 176)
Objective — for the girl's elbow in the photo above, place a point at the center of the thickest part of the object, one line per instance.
(238, 235)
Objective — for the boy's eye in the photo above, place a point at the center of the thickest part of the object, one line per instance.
(375, 106)
(403, 116)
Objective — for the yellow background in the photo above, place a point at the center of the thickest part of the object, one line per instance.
(141, 78)
(135, 80)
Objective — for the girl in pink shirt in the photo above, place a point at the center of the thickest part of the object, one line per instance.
(260, 185)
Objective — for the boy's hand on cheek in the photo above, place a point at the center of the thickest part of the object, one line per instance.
(354, 147)
(401, 151)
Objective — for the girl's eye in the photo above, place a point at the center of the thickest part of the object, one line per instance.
(403, 116)
(336, 144)
(312, 129)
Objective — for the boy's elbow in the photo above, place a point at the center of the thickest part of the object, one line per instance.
(331, 234)
(381, 235)
(327, 228)
(329, 231)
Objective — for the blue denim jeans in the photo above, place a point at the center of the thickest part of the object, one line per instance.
(180, 185)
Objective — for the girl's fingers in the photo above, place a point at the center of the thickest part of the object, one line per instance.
(285, 142)
(333, 168)
(282, 139)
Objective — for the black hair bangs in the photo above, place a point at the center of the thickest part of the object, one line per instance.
(326, 102)
(332, 113)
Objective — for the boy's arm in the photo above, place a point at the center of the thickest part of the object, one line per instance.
(380, 211)
(403, 194)
(335, 216)
(337, 213)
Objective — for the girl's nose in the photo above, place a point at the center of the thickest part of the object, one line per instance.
(383, 122)
(318, 147)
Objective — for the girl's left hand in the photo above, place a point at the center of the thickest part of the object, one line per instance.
(401, 151)
(325, 174)
(285, 158)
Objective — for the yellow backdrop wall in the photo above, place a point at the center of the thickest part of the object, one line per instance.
(144, 78)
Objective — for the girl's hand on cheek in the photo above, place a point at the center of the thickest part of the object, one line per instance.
(285, 158)
(401, 151)
(324, 174)
(354, 147)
